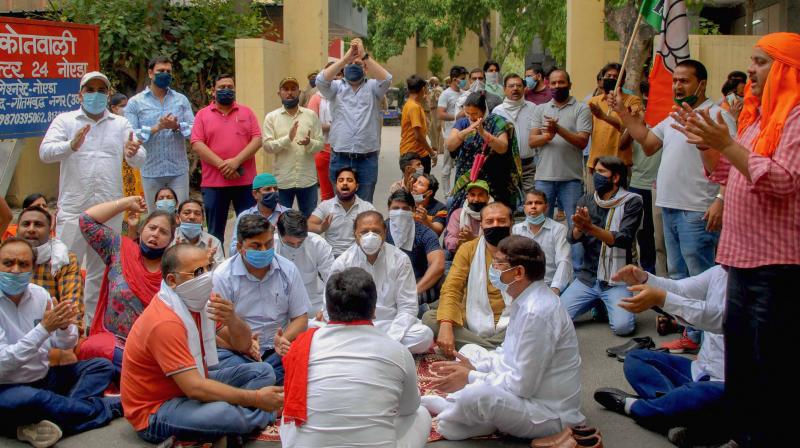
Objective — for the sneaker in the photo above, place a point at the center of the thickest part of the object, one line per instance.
(682, 345)
(41, 435)
(679, 436)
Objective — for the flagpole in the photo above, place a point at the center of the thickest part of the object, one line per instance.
(628, 50)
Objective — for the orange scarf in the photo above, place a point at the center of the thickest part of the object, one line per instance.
(780, 94)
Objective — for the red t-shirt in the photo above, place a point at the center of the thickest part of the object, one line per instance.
(157, 347)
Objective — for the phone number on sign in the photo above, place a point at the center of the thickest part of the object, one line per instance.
(27, 118)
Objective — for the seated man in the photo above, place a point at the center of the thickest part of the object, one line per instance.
(605, 223)
(552, 238)
(335, 216)
(267, 291)
(265, 192)
(38, 402)
(531, 385)
(471, 309)
(465, 222)
(190, 219)
(676, 394)
(429, 211)
(310, 252)
(166, 387)
(411, 167)
(418, 242)
(326, 395)
(391, 270)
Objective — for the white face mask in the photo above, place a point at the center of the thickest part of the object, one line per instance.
(419, 171)
(371, 243)
(401, 224)
(289, 251)
(492, 78)
(196, 292)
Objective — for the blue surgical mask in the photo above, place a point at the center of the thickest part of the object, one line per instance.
(168, 205)
(95, 103)
(259, 259)
(225, 96)
(462, 84)
(494, 278)
(270, 200)
(530, 82)
(191, 230)
(14, 284)
(150, 253)
(162, 79)
(290, 103)
(602, 183)
(353, 73)
(535, 220)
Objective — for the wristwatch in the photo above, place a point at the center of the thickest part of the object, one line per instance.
(720, 197)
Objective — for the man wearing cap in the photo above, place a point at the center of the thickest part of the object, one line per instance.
(306, 94)
(294, 133)
(355, 101)
(265, 193)
(226, 136)
(89, 143)
(163, 121)
(465, 222)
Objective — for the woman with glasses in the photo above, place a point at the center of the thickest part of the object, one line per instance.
(133, 273)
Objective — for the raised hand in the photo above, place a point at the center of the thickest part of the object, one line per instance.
(132, 146)
(220, 310)
(293, 131)
(79, 137)
(646, 297)
(60, 316)
(305, 140)
(630, 274)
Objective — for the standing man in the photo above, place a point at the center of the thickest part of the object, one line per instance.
(494, 83)
(520, 112)
(163, 121)
(536, 90)
(305, 95)
(90, 144)
(414, 125)
(294, 133)
(355, 104)
(226, 137)
(447, 111)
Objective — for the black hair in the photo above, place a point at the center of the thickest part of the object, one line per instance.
(525, 252)
(36, 208)
(116, 99)
(251, 226)
(171, 259)
(174, 195)
(731, 85)
(170, 218)
(536, 192)
(371, 214)
(433, 183)
(14, 239)
(407, 158)
(616, 166)
(293, 223)
(31, 198)
(162, 59)
(350, 295)
(512, 76)
(736, 74)
(456, 71)
(699, 69)
(401, 195)
(537, 69)
(614, 66)
(191, 201)
(477, 70)
(223, 76)
(415, 84)
(346, 168)
(569, 80)
(490, 63)
(476, 99)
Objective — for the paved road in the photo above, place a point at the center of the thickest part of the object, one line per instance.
(598, 370)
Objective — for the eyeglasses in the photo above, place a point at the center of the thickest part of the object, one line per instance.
(199, 271)
(497, 264)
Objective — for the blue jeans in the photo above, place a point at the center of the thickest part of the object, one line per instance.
(690, 247)
(366, 165)
(151, 185)
(228, 358)
(191, 420)
(566, 193)
(669, 395)
(217, 202)
(69, 396)
(306, 198)
(579, 298)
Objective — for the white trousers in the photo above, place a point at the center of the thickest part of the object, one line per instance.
(418, 338)
(413, 430)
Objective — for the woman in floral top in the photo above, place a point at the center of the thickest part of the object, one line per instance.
(132, 277)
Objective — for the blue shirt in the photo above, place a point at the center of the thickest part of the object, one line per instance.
(166, 150)
(266, 304)
(273, 219)
(357, 115)
(425, 242)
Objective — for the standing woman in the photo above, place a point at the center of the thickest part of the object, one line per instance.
(484, 147)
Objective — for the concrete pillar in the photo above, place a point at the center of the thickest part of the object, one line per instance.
(584, 31)
(305, 30)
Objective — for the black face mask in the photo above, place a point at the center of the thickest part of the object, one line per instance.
(477, 206)
(609, 84)
(494, 235)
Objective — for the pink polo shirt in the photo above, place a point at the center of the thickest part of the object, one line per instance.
(227, 136)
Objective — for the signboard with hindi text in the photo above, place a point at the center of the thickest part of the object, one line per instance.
(41, 64)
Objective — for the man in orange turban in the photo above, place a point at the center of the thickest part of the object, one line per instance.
(760, 241)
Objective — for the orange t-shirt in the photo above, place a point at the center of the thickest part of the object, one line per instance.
(157, 347)
(412, 116)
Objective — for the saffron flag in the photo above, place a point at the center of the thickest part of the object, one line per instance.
(669, 18)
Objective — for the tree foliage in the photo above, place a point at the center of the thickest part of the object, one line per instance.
(198, 36)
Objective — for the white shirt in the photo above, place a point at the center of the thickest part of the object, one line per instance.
(24, 342)
(448, 100)
(681, 181)
(313, 259)
(552, 238)
(394, 279)
(92, 174)
(359, 380)
(205, 241)
(539, 359)
(699, 301)
(266, 304)
(522, 126)
(340, 233)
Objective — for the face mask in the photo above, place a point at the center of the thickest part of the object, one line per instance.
(690, 100)
(477, 206)
(259, 259)
(353, 73)
(168, 205)
(14, 284)
(95, 102)
(225, 96)
(609, 84)
(462, 84)
(289, 251)
(530, 82)
(492, 78)
(121, 111)
(162, 79)
(270, 200)
(401, 219)
(291, 103)
(494, 278)
(602, 183)
(196, 292)
(494, 235)
(418, 198)
(419, 171)
(560, 94)
(313, 82)
(191, 230)
(535, 220)
(345, 195)
(150, 253)
(371, 243)
(477, 86)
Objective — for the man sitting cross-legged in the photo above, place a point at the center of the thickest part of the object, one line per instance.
(354, 386)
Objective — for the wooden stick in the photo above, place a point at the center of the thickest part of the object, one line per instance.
(628, 50)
